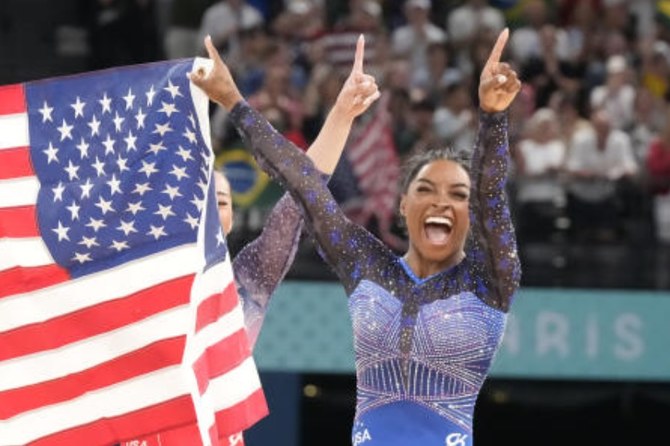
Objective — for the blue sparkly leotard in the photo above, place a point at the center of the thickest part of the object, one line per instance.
(423, 345)
(261, 265)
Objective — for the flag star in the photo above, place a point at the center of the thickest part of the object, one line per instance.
(86, 188)
(119, 246)
(109, 145)
(155, 148)
(190, 136)
(168, 109)
(142, 188)
(94, 124)
(199, 203)
(220, 238)
(83, 147)
(185, 154)
(172, 89)
(148, 168)
(157, 232)
(61, 231)
(52, 153)
(78, 108)
(46, 112)
(140, 117)
(130, 141)
(58, 192)
(179, 172)
(118, 120)
(134, 208)
(106, 104)
(99, 167)
(81, 258)
(95, 224)
(121, 162)
(114, 185)
(89, 242)
(164, 211)
(72, 170)
(74, 211)
(150, 96)
(202, 185)
(65, 130)
(191, 118)
(129, 98)
(105, 206)
(162, 129)
(127, 227)
(191, 221)
(172, 192)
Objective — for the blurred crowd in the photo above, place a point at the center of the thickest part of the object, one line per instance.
(590, 131)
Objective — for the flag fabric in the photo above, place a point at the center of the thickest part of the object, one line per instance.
(373, 158)
(119, 315)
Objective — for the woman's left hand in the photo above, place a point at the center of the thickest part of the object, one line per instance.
(498, 83)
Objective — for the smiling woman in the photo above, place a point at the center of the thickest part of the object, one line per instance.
(427, 325)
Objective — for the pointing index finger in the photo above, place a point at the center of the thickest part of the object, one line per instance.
(360, 53)
(498, 48)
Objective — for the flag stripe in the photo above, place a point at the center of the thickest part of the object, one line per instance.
(253, 407)
(15, 163)
(18, 222)
(164, 353)
(220, 358)
(24, 252)
(42, 305)
(48, 365)
(13, 131)
(95, 320)
(179, 411)
(18, 192)
(13, 99)
(213, 307)
(23, 280)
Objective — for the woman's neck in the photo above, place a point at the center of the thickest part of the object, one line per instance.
(423, 267)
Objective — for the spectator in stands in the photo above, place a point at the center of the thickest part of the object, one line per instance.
(600, 160)
(411, 40)
(658, 167)
(455, 120)
(540, 194)
(181, 34)
(617, 95)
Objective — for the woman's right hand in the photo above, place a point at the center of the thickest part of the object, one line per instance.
(359, 90)
(218, 84)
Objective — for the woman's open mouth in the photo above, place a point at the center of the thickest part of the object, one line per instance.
(438, 229)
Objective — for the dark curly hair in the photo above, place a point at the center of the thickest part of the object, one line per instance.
(414, 163)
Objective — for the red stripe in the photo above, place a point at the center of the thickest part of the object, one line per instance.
(167, 415)
(164, 353)
(92, 321)
(19, 222)
(12, 99)
(221, 357)
(15, 163)
(217, 305)
(240, 417)
(25, 279)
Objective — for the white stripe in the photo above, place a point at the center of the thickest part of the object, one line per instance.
(14, 131)
(213, 281)
(44, 304)
(19, 192)
(93, 351)
(216, 331)
(201, 102)
(144, 391)
(25, 252)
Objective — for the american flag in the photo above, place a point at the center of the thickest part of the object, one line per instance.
(119, 315)
(372, 155)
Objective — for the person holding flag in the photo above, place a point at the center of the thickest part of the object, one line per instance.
(427, 324)
(261, 265)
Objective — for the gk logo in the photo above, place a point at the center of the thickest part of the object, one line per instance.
(236, 439)
(456, 440)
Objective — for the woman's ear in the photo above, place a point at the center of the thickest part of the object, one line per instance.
(401, 207)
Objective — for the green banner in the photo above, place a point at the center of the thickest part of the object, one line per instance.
(551, 333)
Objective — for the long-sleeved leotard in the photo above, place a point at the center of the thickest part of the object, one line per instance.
(262, 264)
(423, 345)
